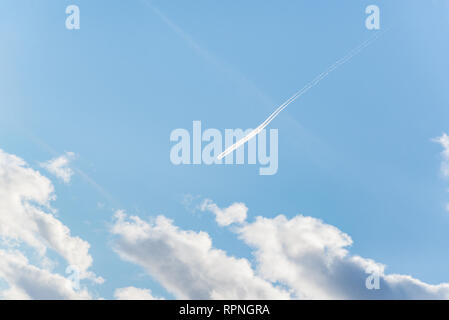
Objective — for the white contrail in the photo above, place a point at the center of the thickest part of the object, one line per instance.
(310, 85)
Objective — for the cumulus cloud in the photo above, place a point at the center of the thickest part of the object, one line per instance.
(60, 166)
(311, 257)
(235, 213)
(186, 263)
(299, 258)
(26, 217)
(30, 282)
(444, 141)
(133, 293)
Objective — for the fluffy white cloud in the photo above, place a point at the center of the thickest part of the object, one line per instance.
(133, 293)
(311, 258)
(60, 166)
(30, 282)
(26, 217)
(185, 262)
(306, 257)
(444, 141)
(235, 213)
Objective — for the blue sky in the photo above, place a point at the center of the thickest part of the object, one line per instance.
(356, 151)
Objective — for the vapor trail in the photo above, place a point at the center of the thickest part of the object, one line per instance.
(307, 87)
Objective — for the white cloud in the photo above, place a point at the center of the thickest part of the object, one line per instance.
(444, 141)
(133, 293)
(311, 258)
(73, 249)
(185, 262)
(235, 213)
(303, 255)
(27, 217)
(30, 282)
(60, 166)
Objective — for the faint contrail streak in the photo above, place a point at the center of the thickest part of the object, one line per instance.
(308, 86)
(83, 175)
(208, 56)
